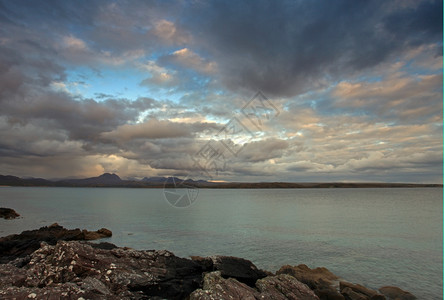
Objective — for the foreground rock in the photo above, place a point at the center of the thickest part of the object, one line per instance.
(395, 293)
(21, 245)
(8, 213)
(278, 287)
(323, 282)
(232, 267)
(79, 269)
(358, 292)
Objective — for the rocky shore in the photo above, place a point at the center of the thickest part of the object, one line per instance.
(57, 263)
(8, 213)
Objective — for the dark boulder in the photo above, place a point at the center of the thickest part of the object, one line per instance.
(234, 267)
(23, 244)
(8, 213)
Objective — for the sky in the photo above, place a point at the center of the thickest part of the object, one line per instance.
(297, 91)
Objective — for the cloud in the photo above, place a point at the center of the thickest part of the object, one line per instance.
(71, 42)
(180, 71)
(168, 32)
(191, 60)
(286, 48)
(358, 86)
(152, 129)
(263, 150)
(159, 76)
(403, 96)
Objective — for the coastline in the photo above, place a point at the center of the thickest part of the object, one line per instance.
(112, 180)
(64, 265)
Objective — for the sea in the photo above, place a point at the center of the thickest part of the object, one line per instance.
(372, 236)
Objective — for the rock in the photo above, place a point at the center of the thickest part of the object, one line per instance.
(205, 262)
(358, 292)
(104, 245)
(395, 293)
(241, 269)
(217, 287)
(323, 282)
(8, 213)
(284, 287)
(352, 295)
(43, 264)
(95, 235)
(280, 287)
(73, 269)
(23, 244)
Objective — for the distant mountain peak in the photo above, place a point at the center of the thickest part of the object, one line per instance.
(105, 178)
(108, 176)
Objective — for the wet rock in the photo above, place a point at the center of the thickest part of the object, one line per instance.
(104, 245)
(323, 282)
(352, 295)
(60, 269)
(358, 292)
(217, 287)
(95, 235)
(284, 287)
(205, 262)
(395, 293)
(279, 287)
(8, 213)
(241, 269)
(20, 245)
(79, 270)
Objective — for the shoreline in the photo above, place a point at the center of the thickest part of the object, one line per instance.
(241, 186)
(62, 263)
(112, 180)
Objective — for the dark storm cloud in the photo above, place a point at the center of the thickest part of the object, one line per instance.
(280, 47)
(286, 47)
(416, 24)
(56, 12)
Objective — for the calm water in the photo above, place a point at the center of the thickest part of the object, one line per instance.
(374, 237)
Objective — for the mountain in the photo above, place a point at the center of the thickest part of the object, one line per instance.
(170, 180)
(113, 180)
(16, 181)
(154, 179)
(104, 179)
